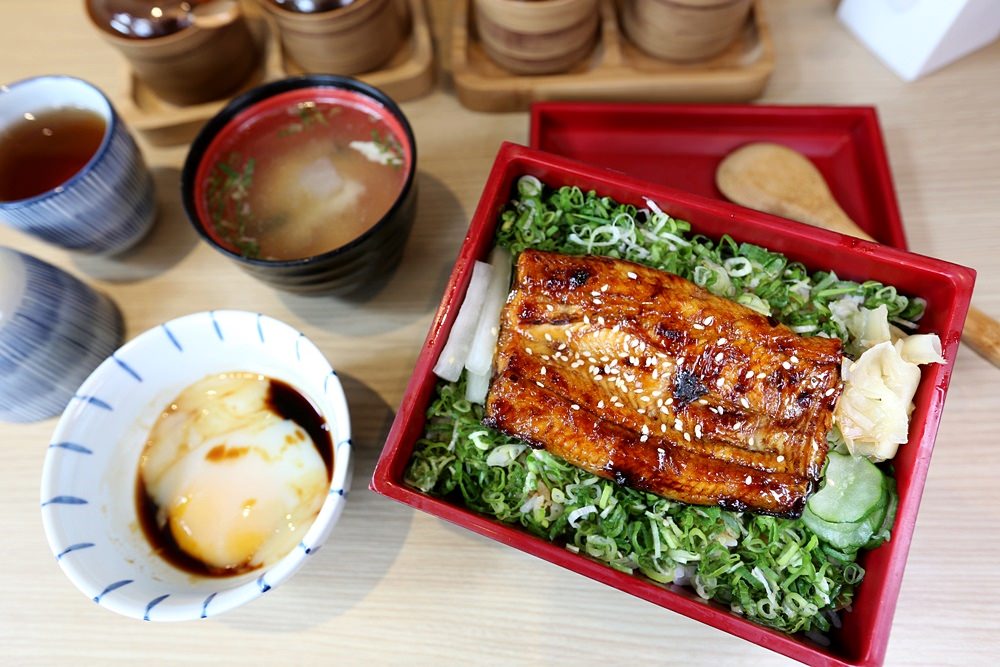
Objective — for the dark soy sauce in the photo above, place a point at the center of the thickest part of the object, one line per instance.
(311, 6)
(44, 149)
(285, 401)
(142, 19)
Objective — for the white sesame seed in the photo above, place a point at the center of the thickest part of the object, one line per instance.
(719, 382)
(663, 428)
(549, 307)
(664, 411)
(539, 384)
(761, 376)
(575, 406)
(562, 346)
(545, 357)
(656, 392)
(697, 326)
(641, 411)
(544, 370)
(595, 293)
(708, 321)
(598, 377)
(632, 274)
(645, 428)
(687, 436)
(680, 362)
(548, 337)
(781, 458)
(786, 365)
(749, 479)
(697, 430)
(600, 404)
(722, 341)
(720, 356)
(749, 375)
(721, 410)
(604, 288)
(829, 392)
(586, 319)
(600, 320)
(528, 350)
(645, 399)
(702, 401)
(794, 359)
(744, 402)
(678, 424)
(737, 426)
(643, 438)
(750, 442)
(597, 302)
(670, 401)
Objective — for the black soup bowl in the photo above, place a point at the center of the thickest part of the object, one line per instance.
(307, 183)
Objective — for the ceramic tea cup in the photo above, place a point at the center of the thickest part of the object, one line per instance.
(54, 330)
(187, 52)
(98, 201)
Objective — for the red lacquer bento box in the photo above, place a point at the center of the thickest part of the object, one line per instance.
(681, 145)
(946, 287)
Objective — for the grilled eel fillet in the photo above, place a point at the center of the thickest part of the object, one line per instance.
(642, 377)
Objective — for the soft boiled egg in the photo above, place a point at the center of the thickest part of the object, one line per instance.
(234, 480)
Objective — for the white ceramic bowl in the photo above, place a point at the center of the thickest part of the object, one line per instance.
(88, 481)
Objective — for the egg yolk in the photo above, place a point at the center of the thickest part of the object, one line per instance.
(235, 484)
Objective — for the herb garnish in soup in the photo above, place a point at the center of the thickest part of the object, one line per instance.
(303, 177)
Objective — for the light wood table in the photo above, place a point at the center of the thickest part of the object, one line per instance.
(395, 586)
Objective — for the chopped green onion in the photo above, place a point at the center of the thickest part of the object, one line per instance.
(774, 571)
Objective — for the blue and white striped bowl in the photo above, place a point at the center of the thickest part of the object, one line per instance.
(88, 481)
(54, 330)
(107, 206)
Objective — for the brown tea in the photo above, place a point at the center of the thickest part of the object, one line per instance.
(45, 149)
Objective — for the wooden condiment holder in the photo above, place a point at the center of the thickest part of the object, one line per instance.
(407, 75)
(615, 70)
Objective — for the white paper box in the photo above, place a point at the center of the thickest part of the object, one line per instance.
(915, 37)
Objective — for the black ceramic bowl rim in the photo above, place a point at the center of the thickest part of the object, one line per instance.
(253, 96)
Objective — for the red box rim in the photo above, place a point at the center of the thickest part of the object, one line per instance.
(387, 478)
(892, 231)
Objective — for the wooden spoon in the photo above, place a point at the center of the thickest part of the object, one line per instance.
(776, 179)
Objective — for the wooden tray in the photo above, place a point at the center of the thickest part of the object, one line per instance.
(409, 74)
(616, 71)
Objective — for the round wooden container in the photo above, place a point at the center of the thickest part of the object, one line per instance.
(205, 61)
(350, 40)
(683, 30)
(537, 36)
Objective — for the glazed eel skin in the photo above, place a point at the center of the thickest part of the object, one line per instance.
(643, 377)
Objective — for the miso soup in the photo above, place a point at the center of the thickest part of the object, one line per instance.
(303, 173)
